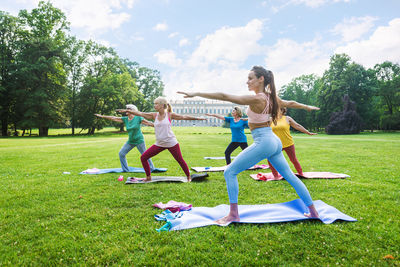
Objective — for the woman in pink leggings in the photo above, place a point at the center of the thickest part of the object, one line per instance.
(165, 138)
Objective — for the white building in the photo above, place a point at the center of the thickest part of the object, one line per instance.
(198, 108)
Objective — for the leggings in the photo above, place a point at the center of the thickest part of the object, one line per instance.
(266, 145)
(232, 146)
(154, 150)
(125, 150)
(291, 152)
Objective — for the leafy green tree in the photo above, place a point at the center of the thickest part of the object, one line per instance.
(75, 67)
(388, 79)
(42, 77)
(302, 89)
(107, 86)
(346, 78)
(149, 84)
(10, 30)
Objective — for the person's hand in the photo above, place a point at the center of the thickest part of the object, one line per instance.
(98, 115)
(309, 108)
(186, 95)
(208, 114)
(312, 133)
(120, 110)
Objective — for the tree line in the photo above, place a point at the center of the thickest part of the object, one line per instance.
(374, 91)
(50, 79)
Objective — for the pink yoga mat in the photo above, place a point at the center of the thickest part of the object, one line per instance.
(307, 175)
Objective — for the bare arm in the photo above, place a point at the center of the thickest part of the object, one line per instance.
(146, 115)
(185, 117)
(238, 99)
(216, 116)
(294, 104)
(298, 126)
(111, 118)
(148, 123)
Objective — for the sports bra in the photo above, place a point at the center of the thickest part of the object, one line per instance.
(264, 116)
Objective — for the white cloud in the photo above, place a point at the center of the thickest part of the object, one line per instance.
(95, 15)
(160, 27)
(172, 35)
(289, 59)
(315, 3)
(233, 44)
(354, 28)
(215, 64)
(168, 57)
(184, 42)
(309, 3)
(382, 45)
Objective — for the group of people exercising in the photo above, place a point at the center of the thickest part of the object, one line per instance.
(268, 124)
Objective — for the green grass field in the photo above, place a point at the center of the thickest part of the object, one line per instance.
(51, 218)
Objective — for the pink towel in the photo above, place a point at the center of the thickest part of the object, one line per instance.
(173, 206)
(265, 177)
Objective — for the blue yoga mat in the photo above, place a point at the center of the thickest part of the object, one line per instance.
(118, 170)
(267, 213)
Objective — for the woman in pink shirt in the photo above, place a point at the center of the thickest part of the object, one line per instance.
(165, 138)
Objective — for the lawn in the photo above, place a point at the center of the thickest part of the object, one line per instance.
(51, 218)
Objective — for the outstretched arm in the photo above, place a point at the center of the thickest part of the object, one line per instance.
(216, 116)
(298, 126)
(146, 115)
(111, 118)
(238, 99)
(185, 117)
(148, 123)
(294, 104)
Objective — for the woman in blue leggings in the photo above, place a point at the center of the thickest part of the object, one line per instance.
(262, 111)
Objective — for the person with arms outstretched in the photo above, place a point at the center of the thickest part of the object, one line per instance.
(237, 125)
(262, 111)
(136, 139)
(165, 138)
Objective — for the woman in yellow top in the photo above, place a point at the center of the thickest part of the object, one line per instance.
(282, 130)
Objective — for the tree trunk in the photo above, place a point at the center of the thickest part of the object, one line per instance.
(91, 130)
(4, 127)
(43, 131)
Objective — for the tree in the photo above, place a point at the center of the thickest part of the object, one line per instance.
(42, 78)
(346, 121)
(149, 84)
(346, 78)
(107, 86)
(10, 30)
(75, 67)
(302, 89)
(388, 79)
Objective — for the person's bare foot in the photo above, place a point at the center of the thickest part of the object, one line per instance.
(189, 179)
(313, 212)
(228, 219)
(148, 179)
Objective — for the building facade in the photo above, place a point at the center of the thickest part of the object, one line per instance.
(198, 108)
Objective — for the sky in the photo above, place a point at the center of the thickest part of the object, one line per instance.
(210, 45)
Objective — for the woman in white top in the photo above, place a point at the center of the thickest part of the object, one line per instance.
(165, 138)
